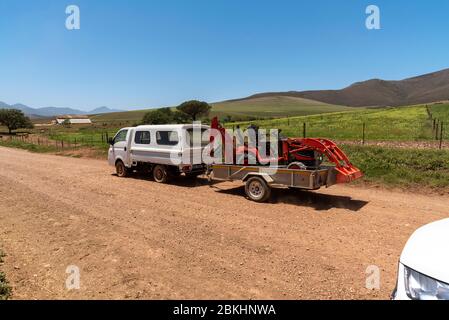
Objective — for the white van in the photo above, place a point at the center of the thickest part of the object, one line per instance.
(163, 150)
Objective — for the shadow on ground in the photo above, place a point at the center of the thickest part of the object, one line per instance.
(317, 201)
(181, 181)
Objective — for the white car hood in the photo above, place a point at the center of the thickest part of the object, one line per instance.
(427, 251)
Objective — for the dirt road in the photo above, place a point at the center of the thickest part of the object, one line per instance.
(132, 238)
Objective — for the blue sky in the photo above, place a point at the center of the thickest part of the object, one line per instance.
(139, 54)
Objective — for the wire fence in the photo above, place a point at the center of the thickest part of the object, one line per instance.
(96, 140)
(361, 131)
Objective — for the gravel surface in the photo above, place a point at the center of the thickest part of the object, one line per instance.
(135, 239)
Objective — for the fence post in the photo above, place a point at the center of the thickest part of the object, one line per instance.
(363, 134)
(441, 135)
(437, 129)
(304, 130)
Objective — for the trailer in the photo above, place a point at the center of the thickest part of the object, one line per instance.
(259, 180)
(301, 163)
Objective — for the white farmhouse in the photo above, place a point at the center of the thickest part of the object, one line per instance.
(73, 120)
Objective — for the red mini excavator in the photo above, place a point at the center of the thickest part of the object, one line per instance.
(293, 153)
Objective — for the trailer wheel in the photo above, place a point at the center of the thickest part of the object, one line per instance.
(257, 189)
(160, 174)
(121, 170)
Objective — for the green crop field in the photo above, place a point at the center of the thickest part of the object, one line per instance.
(393, 124)
(258, 108)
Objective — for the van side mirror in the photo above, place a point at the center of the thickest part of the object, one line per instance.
(111, 141)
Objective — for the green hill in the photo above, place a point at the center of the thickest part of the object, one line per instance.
(273, 107)
(253, 108)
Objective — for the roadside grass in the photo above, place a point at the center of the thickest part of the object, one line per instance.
(27, 146)
(5, 288)
(409, 168)
(392, 124)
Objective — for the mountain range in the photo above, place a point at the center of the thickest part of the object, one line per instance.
(428, 88)
(53, 111)
(431, 87)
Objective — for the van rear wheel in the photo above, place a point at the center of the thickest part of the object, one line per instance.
(160, 174)
(121, 170)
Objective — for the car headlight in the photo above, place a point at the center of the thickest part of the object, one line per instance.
(421, 287)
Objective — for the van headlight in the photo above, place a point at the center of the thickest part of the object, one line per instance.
(421, 287)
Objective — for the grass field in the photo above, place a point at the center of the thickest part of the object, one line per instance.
(401, 167)
(441, 112)
(395, 124)
(259, 108)
(84, 136)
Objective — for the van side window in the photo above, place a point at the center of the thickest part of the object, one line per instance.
(142, 137)
(121, 136)
(203, 138)
(167, 138)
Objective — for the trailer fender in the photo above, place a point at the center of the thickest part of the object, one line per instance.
(268, 179)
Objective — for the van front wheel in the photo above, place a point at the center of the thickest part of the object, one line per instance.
(121, 170)
(160, 174)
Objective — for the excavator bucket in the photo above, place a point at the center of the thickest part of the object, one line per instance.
(346, 171)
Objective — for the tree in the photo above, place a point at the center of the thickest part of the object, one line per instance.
(195, 109)
(159, 116)
(165, 116)
(14, 119)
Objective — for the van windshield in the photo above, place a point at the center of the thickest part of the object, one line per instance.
(203, 140)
